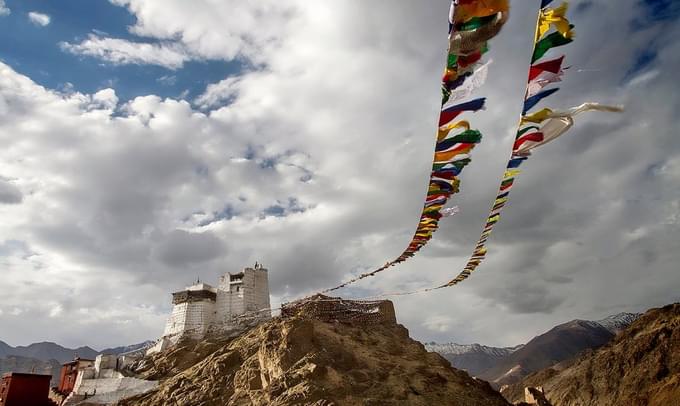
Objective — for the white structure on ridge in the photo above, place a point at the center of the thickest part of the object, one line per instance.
(239, 297)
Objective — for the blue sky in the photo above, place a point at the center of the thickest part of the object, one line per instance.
(34, 51)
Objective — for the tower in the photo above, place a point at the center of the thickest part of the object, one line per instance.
(243, 292)
(193, 311)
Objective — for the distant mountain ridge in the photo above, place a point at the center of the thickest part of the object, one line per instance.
(46, 351)
(460, 349)
(47, 357)
(505, 365)
(474, 358)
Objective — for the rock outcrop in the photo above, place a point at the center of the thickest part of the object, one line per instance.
(640, 366)
(303, 361)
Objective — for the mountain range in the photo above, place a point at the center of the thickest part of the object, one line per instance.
(640, 366)
(47, 357)
(502, 366)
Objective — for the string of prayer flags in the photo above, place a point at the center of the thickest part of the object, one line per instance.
(471, 24)
(529, 136)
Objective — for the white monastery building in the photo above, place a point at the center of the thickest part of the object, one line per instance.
(239, 297)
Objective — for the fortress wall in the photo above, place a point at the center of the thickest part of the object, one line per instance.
(200, 315)
(258, 290)
(192, 317)
(176, 321)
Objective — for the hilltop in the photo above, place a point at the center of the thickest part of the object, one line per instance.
(299, 360)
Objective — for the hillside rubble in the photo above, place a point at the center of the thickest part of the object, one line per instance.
(640, 366)
(302, 361)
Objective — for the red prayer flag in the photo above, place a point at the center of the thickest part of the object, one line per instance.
(552, 66)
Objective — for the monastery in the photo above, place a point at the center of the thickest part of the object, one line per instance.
(239, 299)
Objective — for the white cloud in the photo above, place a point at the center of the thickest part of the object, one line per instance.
(123, 52)
(39, 18)
(9, 193)
(3, 9)
(223, 31)
(218, 93)
(105, 98)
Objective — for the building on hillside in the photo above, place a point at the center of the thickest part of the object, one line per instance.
(18, 389)
(69, 373)
(239, 298)
(106, 381)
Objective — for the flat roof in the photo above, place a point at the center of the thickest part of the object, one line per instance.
(25, 374)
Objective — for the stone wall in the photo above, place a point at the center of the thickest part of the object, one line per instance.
(193, 318)
(256, 288)
(335, 309)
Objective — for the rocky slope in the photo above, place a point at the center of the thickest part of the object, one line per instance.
(473, 358)
(296, 361)
(641, 366)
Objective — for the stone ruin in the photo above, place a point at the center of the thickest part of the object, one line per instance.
(335, 309)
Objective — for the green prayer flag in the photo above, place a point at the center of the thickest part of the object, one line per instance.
(525, 129)
(551, 41)
(468, 136)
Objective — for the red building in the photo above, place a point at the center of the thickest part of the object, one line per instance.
(17, 389)
(69, 373)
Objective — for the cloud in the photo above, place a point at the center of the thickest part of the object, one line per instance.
(314, 161)
(4, 11)
(9, 193)
(231, 30)
(181, 248)
(167, 80)
(123, 52)
(40, 19)
(218, 93)
(105, 99)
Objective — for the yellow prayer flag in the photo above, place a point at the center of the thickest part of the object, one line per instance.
(555, 17)
(444, 130)
(536, 117)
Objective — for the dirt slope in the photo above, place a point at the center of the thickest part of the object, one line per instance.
(640, 366)
(309, 362)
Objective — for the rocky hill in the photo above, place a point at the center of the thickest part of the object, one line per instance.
(640, 366)
(298, 361)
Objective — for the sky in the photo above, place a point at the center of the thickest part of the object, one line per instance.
(146, 144)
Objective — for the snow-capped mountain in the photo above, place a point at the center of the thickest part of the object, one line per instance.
(618, 322)
(460, 349)
(509, 364)
(474, 358)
